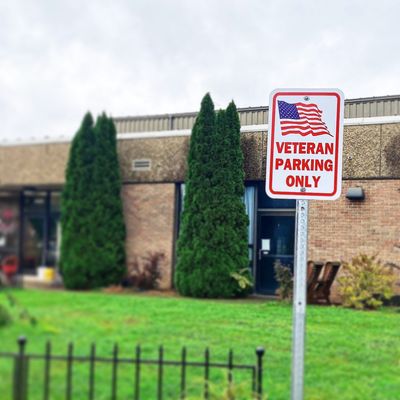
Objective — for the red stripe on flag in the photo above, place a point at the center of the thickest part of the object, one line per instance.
(310, 122)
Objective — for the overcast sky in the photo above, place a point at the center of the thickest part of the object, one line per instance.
(133, 57)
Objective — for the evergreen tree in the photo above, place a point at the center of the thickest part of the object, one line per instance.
(93, 231)
(239, 220)
(197, 183)
(76, 245)
(213, 240)
(107, 214)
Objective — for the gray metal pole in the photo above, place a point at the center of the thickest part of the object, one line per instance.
(299, 300)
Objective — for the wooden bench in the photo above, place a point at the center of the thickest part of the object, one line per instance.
(320, 289)
(313, 272)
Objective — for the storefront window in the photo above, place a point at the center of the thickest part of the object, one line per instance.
(40, 234)
(249, 202)
(9, 224)
(265, 202)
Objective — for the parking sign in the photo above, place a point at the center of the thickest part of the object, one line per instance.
(305, 140)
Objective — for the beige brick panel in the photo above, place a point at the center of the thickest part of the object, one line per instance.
(389, 132)
(44, 164)
(253, 147)
(34, 164)
(167, 155)
(149, 217)
(361, 151)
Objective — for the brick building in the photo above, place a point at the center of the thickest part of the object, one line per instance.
(152, 152)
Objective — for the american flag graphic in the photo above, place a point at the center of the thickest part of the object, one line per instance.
(301, 119)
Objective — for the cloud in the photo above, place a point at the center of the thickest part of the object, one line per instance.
(60, 59)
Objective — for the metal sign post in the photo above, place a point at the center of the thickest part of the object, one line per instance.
(299, 300)
(304, 162)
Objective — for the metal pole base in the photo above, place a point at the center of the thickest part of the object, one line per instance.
(299, 300)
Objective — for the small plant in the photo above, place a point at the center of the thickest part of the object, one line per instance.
(366, 282)
(284, 276)
(145, 274)
(242, 277)
(5, 316)
(218, 391)
(19, 310)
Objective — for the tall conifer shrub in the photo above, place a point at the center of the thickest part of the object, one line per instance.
(213, 240)
(108, 218)
(77, 249)
(93, 231)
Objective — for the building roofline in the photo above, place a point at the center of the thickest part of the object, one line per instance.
(362, 111)
(187, 132)
(245, 109)
(373, 98)
(182, 114)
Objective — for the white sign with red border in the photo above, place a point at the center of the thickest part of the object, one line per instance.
(305, 140)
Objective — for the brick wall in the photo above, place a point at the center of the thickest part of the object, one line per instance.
(44, 164)
(341, 229)
(149, 218)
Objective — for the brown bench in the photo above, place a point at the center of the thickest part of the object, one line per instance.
(314, 269)
(320, 288)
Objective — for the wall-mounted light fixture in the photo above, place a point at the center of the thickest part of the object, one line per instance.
(355, 193)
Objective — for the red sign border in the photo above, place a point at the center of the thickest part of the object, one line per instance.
(272, 142)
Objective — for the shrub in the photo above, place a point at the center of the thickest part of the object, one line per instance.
(107, 213)
(16, 309)
(242, 278)
(284, 276)
(5, 316)
(212, 242)
(77, 247)
(366, 282)
(147, 274)
(93, 230)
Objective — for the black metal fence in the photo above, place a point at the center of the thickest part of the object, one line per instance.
(22, 361)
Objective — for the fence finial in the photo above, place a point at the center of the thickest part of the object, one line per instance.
(260, 351)
(21, 342)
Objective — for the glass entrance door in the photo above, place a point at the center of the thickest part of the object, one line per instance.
(275, 242)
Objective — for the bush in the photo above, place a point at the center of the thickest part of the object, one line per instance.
(366, 282)
(5, 316)
(18, 311)
(284, 276)
(93, 230)
(242, 278)
(147, 274)
(212, 249)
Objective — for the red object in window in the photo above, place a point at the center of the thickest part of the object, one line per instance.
(8, 213)
(9, 265)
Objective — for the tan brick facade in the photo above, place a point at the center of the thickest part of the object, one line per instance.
(340, 230)
(149, 216)
(31, 165)
(44, 164)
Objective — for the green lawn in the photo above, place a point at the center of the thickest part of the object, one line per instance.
(350, 354)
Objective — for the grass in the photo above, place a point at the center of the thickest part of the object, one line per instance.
(350, 354)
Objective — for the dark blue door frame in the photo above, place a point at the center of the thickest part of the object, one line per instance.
(276, 228)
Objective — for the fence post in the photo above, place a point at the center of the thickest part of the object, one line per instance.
(207, 373)
(160, 373)
(260, 353)
(20, 391)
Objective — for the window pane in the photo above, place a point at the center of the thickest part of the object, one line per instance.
(9, 225)
(266, 202)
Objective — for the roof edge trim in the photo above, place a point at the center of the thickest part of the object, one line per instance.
(186, 132)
